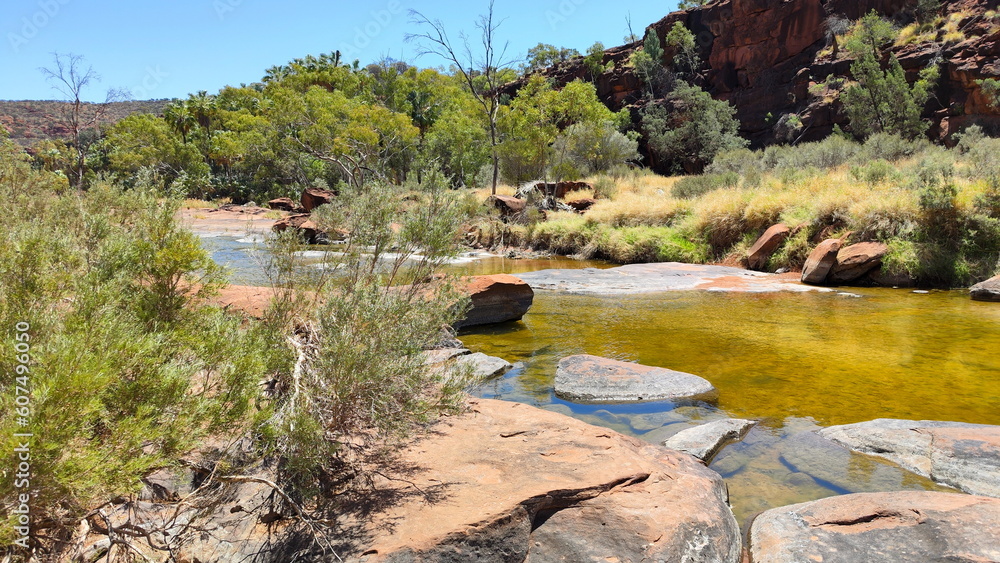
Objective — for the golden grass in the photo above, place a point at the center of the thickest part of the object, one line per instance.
(502, 189)
(199, 204)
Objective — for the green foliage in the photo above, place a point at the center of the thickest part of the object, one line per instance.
(891, 147)
(882, 100)
(681, 41)
(129, 369)
(991, 89)
(362, 383)
(696, 186)
(545, 55)
(594, 60)
(536, 117)
(648, 64)
(688, 4)
(868, 36)
(875, 172)
(587, 148)
(146, 142)
(697, 128)
(926, 10)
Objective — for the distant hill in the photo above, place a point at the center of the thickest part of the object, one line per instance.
(31, 121)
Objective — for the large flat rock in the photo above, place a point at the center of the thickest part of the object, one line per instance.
(663, 276)
(516, 483)
(901, 527)
(960, 455)
(593, 379)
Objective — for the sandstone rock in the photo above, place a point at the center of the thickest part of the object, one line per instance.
(663, 276)
(526, 485)
(960, 455)
(484, 366)
(856, 260)
(705, 440)
(902, 527)
(765, 246)
(820, 261)
(988, 290)
(581, 205)
(435, 357)
(303, 223)
(314, 197)
(587, 378)
(508, 206)
(503, 482)
(496, 299)
(284, 204)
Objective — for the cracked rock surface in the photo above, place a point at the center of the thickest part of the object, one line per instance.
(516, 483)
(902, 527)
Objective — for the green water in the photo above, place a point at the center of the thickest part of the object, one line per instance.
(793, 361)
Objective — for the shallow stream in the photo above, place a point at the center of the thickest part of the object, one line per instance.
(793, 361)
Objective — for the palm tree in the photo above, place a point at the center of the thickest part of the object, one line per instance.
(179, 117)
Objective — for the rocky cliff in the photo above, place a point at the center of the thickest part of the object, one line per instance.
(772, 58)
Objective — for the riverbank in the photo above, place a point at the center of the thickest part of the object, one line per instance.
(936, 210)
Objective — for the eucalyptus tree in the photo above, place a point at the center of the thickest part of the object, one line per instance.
(482, 70)
(71, 77)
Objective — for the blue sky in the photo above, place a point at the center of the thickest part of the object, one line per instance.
(169, 48)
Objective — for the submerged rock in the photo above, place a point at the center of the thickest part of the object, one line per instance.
(837, 468)
(594, 379)
(497, 298)
(705, 440)
(820, 261)
(761, 251)
(957, 454)
(988, 290)
(902, 527)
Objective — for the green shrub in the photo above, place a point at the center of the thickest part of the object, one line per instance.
(891, 147)
(875, 172)
(362, 384)
(695, 186)
(129, 368)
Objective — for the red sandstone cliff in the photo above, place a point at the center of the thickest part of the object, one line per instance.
(764, 55)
